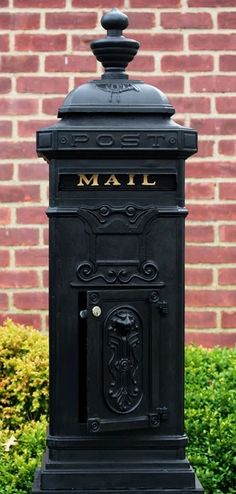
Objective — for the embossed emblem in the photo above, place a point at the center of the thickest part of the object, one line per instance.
(123, 381)
(116, 88)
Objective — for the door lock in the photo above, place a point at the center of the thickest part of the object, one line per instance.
(96, 311)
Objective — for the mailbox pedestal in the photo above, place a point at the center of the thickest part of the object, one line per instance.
(116, 292)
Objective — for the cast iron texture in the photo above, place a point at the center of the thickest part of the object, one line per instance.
(116, 292)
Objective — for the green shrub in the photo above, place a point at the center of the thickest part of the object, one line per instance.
(209, 410)
(23, 374)
(210, 416)
(17, 466)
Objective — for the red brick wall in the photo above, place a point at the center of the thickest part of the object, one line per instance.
(187, 50)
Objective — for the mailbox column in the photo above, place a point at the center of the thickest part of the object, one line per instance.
(116, 291)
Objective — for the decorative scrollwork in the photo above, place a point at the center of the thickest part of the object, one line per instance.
(123, 373)
(116, 88)
(147, 271)
(103, 213)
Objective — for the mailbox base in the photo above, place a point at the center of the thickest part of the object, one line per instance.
(102, 475)
(196, 489)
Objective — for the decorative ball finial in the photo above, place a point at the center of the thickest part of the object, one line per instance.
(115, 51)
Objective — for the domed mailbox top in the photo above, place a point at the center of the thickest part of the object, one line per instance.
(114, 92)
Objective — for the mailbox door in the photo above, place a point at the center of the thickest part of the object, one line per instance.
(123, 359)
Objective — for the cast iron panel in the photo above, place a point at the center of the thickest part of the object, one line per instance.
(123, 359)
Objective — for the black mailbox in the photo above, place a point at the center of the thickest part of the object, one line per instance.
(116, 285)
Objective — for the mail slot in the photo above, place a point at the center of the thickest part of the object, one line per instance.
(116, 218)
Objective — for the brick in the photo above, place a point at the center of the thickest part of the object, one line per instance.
(228, 320)
(45, 236)
(212, 42)
(228, 191)
(227, 20)
(18, 150)
(4, 3)
(211, 339)
(18, 279)
(228, 232)
(211, 3)
(214, 126)
(18, 106)
(33, 320)
(177, 20)
(71, 63)
(5, 128)
(213, 84)
(198, 276)
(19, 193)
(227, 276)
(3, 301)
(96, 3)
(155, 3)
(33, 171)
(187, 63)
(31, 301)
(140, 20)
(12, 21)
(226, 105)
(6, 171)
(200, 320)
(31, 257)
(45, 279)
(5, 85)
(4, 258)
(169, 84)
(211, 255)
(200, 190)
(199, 233)
(205, 149)
(227, 148)
(214, 212)
(210, 298)
(28, 128)
(19, 236)
(4, 42)
(40, 4)
(211, 169)
(82, 42)
(142, 64)
(19, 63)
(31, 215)
(40, 42)
(5, 216)
(228, 63)
(50, 105)
(71, 20)
(42, 85)
(160, 42)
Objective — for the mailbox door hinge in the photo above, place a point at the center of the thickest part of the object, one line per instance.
(163, 307)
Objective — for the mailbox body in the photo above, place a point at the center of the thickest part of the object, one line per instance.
(116, 219)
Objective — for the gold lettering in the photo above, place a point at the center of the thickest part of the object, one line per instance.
(112, 180)
(83, 180)
(146, 182)
(131, 180)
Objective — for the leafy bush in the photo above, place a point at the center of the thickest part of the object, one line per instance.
(23, 374)
(210, 411)
(19, 461)
(210, 416)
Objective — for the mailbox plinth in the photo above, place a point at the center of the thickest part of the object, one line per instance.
(116, 219)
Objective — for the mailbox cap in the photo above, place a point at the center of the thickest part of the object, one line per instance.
(114, 92)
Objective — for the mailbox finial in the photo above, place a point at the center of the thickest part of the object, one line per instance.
(115, 51)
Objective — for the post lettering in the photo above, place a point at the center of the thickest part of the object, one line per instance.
(83, 180)
(112, 180)
(131, 180)
(146, 182)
